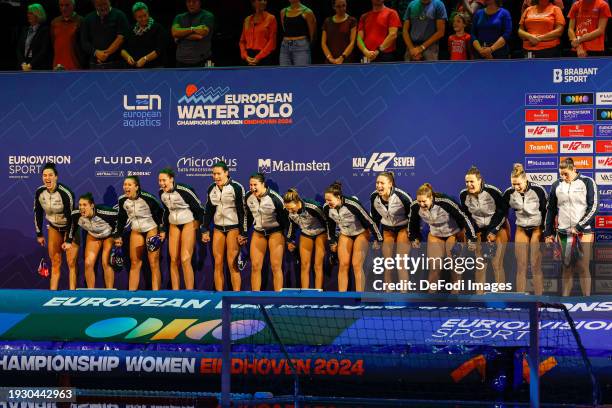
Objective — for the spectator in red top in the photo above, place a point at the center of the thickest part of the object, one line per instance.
(587, 27)
(338, 35)
(377, 32)
(64, 29)
(258, 39)
(459, 43)
(540, 27)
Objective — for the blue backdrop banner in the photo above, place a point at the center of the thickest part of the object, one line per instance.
(302, 127)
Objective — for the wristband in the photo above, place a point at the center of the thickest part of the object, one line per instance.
(380, 48)
(422, 47)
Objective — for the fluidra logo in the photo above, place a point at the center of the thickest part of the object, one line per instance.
(123, 160)
(269, 166)
(378, 162)
(22, 167)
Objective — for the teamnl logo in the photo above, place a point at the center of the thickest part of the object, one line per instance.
(153, 329)
(573, 75)
(142, 111)
(269, 166)
(378, 162)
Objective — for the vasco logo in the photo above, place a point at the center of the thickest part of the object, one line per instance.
(603, 178)
(378, 162)
(144, 112)
(129, 326)
(123, 160)
(269, 166)
(545, 179)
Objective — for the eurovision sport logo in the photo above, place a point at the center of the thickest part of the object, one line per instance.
(576, 115)
(541, 99)
(604, 130)
(217, 106)
(22, 166)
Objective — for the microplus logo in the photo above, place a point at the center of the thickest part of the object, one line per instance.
(573, 75)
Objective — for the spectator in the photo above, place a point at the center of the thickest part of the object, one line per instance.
(540, 27)
(529, 3)
(192, 32)
(471, 6)
(338, 35)
(459, 44)
(299, 29)
(587, 27)
(33, 48)
(424, 24)
(146, 44)
(258, 39)
(64, 30)
(491, 31)
(377, 32)
(102, 34)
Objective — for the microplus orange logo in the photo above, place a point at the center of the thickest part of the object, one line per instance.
(541, 147)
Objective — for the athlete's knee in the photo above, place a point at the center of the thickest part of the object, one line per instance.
(89, 263)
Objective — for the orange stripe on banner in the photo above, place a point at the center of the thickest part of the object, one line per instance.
(478, 363)
(545, 366)
(173, 329)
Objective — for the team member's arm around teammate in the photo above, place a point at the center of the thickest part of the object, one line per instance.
(390, 208)
(182, 213)
(144, 213)
(355, 226)
(573, 202)
(225, 209)
(265, 212)
(55, 202)
(485, 205)
(99, 222)
(307, 216)
(448, 224)
(529, 203)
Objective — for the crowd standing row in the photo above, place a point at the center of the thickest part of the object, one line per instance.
(481, 29)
